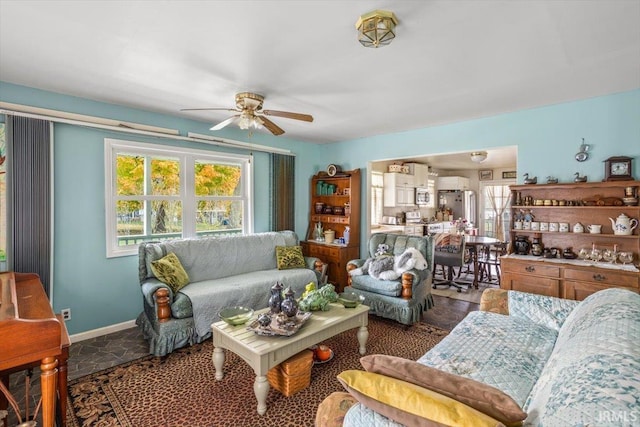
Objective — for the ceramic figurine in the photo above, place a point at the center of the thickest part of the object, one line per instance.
(579, 178)
(319, 231)
(552, 180)
(528, 180)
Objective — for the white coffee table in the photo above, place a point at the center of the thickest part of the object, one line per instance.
(263, 353)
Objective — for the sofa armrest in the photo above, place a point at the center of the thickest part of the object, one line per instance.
(356, 263)
(352, 265)
(495, 301)
(159, 295)
(320, 268)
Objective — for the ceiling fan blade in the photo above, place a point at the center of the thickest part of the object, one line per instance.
(209, 109)
(288, 115)
(273, 128)
(225, 122)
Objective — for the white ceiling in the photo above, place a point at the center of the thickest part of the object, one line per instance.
(451, 60)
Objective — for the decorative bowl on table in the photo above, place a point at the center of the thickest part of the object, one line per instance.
(236, 315)
(350, 299)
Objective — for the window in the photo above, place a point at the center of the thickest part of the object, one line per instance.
(377, 184)
(155, 192)
(494, 210)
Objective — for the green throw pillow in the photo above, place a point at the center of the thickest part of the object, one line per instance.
(169, 270)
(289, 257)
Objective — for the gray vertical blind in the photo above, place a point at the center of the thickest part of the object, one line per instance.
(282, 192)
(29, 197)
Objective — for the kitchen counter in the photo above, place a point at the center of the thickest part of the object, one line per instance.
(408, 229)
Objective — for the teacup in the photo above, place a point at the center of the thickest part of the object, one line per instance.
(535, 225)
(554, 226)
(544, 226)
(594, 228)
(563, 227)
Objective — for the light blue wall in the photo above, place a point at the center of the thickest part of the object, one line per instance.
(101, 291)
(547, 139)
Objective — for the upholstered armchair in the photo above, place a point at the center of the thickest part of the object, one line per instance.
(403, 299)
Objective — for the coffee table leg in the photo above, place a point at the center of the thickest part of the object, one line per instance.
(261, 389)
(363, 334)
(218, 362)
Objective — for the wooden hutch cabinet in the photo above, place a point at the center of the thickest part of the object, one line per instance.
(343, 191)
(585, 203)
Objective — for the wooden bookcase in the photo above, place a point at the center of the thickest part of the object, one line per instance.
(346, 195)
(568, 278)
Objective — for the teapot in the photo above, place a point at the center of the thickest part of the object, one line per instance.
(623, 225)
(578, 228)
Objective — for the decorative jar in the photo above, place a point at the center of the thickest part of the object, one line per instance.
(275, 300)
(289, 306)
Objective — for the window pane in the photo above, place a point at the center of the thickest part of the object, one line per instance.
(129, 217)
(165, 177)
(212, 217)
(166, 217)
(217, 180)
(129, 175)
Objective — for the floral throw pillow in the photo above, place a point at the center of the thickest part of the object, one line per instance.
(169, 270)
(289, 257)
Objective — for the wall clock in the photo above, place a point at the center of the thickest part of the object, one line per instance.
(332, 169)
(618, 168)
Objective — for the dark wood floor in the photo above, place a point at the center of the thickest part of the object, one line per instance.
(448, 312)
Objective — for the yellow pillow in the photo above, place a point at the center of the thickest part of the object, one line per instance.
(408, 403)
(169, 270)
(485, 398)
(289, 257)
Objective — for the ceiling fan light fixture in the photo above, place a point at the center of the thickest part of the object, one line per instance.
(478, 156)
(377, 28)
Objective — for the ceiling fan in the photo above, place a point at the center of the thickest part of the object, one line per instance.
(251, 115)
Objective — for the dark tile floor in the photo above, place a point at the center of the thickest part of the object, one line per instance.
(103, 352)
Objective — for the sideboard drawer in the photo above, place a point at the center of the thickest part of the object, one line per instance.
(534, 268)
(612, 278)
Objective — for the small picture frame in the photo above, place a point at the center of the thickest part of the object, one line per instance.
(485, 175)
(509, 175)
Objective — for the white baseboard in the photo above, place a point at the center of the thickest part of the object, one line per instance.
(102, 331)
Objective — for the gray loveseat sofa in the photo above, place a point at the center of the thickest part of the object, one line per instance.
(224, 271)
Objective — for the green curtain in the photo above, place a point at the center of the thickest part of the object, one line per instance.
(282, 192)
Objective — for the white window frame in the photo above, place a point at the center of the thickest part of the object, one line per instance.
(187, 158)
(377, 199)
(482, 205)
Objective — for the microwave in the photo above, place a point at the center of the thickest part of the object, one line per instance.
(422, 196)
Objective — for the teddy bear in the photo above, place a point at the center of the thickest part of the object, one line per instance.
(388, 267)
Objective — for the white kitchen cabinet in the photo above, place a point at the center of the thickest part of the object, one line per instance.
(399, 190)
(414, 230)
(420, 174)
(453, 183)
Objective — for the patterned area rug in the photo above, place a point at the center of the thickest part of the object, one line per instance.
(180, 390)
